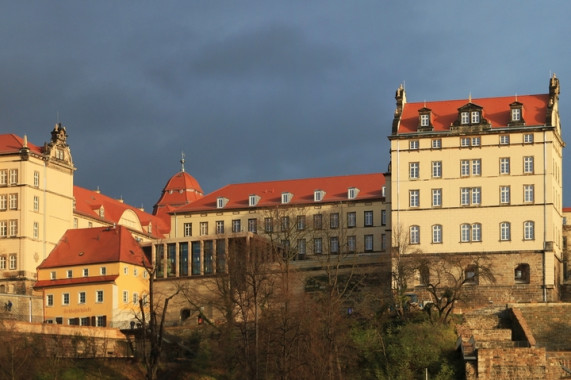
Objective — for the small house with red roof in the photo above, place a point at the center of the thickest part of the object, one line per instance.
(482, 177)
(94, 277)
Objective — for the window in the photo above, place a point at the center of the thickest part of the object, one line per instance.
(470, 196)
(471, 274)
(50, 299)
(464, 118)
(219, 226)
(529, 230)
(351, 219)
(413, 198)
(368, 218)
(284, 223)
(220, 202)
(528, 164)
(504, 139)
(69, 273)
(471, 232)
(187, 229)
(476, 232)
(65, 299)
(3, 202)
(516, 114)
(413, 170)
(253, 200)
(301, 222)
(2, 262)
(436, 197)
(334, 220)
(301, 247)
(383, 217)
(126, 270)
(36, 230)
(369, 243)
(13, 262)
(464, 142)
(103, 271)
(528, 191)
(436, 169)
(236, 225)
(36, 179)
(317, 246)
(102, 212)
(476, 141)
(437, 234)
(75, 222)
(81, 298)
(505, 165)
(317, 221)
(352, 192)
(125, 296)
(504, 194)
(13, 201)
(476, 167)
(135, 298)
(3, 228)
(3, 177)
(464, 168)
(203, 228)
(13, 176)
(334, 244)
(99, 296)
(135, 272)
(85, 272)
(528, 138)
(36, 203)
(475, 117)
(13, 224)
(423, 275)
(317, 195)
(414, 235)
(52, 275)
(424, 120)
(505, 231)
(286, 197)
(436, 144)
(413, 144)
(268, 224)
(521, 274)
(383, 242)
(253, 225)
(351, 243)
(101, 321)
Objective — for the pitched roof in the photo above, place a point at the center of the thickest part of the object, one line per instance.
(11, 144)
(88, 203)
(93, 246)
(180, 190)
(335, 188)
(495, 110)
(75, 281)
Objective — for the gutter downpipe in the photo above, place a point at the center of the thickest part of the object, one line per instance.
(544, 216)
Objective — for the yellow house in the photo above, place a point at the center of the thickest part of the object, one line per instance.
(94, 277)
(483, 177)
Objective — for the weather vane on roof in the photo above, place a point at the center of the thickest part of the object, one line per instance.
(182, 162)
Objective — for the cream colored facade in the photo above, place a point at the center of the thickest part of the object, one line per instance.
(36, 207)
(481, 189)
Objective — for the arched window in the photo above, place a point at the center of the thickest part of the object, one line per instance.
(437, 233)
(521, 274)
(414, 235)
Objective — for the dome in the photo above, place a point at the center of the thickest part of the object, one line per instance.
(181, 189)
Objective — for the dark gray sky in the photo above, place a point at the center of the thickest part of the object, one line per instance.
(258, 90)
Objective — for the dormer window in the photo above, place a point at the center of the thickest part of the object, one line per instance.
(424, 119)
(352, 193)
(101, 212)
(516, 114)
(318, 195)
(464, 118)
(475, 117)
(221, 202)
(253, 200)
(383, 191)
(286, 197)
(150, 228)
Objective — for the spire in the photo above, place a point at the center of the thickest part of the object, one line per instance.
(470, 97)
(25, 145)
(182, 162)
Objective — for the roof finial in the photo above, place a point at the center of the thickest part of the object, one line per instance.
(516, 96)
(25, 145)
(470, 97)
(182, 162)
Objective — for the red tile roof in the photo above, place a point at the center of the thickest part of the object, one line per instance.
(75, 281)
(88, 202)
(10, 144)
(495, 110)
(335, 188)
(180, 190)
(93, 246)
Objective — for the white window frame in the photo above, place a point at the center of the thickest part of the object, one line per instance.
(437, 234)
(13, 262)
(13, 228)
(414, 234)
(436, 197)
(187, 229)
(505, 231)
(65, 299)
(477, 167)
(505, 197)
(505, 165)
(414, 170)
(81, 295)
(528, 138)
(3, 177)
(318, 246)
(464, 168)
(413, 198)
(475, 117)
(36, 203)
(368, 218)
(99, 296)
(36, 230)
(464, 118)
(528, 165)
(13, 176)
(528, 193)
(424, 120)
(529, 230)
(3, 202)
(219, 227)
(203, 228)
(476, 232)
(236, 225)
(13, 201)
(437, 144)
(504, 139)
(413, 144)
(36, 178)
(351, 219)
(369, 243)
(436, 169)
(516, 114)
(49, 300)
(476, 141)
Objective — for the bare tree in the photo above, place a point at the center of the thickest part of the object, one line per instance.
(403, 268)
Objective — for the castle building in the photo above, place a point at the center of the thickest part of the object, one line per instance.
(94, 277)
(483, 177)
(308, 218)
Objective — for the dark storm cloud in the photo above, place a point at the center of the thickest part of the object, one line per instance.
(255, 91)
